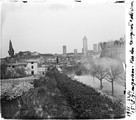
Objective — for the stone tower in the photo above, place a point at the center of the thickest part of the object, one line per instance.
(64, 50)
(85, 48)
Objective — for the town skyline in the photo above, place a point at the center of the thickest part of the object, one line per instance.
(46, 28)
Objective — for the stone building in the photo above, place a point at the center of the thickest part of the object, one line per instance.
(64, 50)
(32, 65)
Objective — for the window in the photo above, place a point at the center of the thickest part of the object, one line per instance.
(32, 62)
(32, 72)
(32, 67)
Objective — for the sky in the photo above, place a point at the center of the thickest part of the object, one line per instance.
(45, 28)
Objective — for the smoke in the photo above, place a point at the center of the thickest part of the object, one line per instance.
(105, 62)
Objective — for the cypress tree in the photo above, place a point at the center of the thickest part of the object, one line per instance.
(11, 50)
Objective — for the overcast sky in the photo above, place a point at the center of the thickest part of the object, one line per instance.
(45, 28)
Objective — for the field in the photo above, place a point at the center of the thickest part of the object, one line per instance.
(57, 96)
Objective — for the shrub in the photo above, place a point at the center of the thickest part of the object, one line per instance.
(42, 104)
(19, 89)
(49, 74)
(5, 89)
(45, 81)
(13, 72)
(20, 71)
(11, 92)
(78, 72)
(3, 71)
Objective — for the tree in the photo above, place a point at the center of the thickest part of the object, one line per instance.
(99, 71)
(11, 73)
(20, 53)
(113, 74)
(3, 71)
(11, 50)
(92, 70)
(15, 72)
(21, 71)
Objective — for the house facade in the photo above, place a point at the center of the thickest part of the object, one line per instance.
(32, 67)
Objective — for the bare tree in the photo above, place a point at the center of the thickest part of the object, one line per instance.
(98, 71)
(113, 74)
(92, 70)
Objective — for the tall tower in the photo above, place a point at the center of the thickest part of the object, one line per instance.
(64, 50)
(85, 49)
(75, 52)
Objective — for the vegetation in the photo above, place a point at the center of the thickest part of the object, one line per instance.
(98, 71)
(10, 95)
(21, 71)
(81, 70)
(8, 72)
(112, 75)
(10, 91)
(3, 71)
(85, 101)
(101, 69)
(69, 70)
(77, 69)
(44, 101)
(92, 71)
(58, 96)
(11, 50)
(5, 89)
